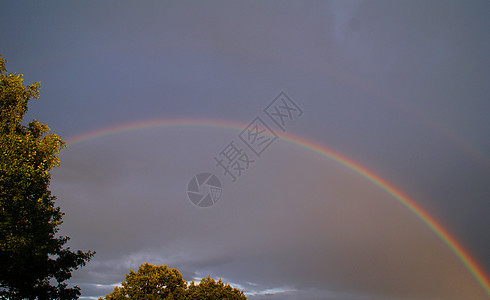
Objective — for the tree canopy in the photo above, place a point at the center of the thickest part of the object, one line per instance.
(209, 288)
(34, 262)
(160, 282)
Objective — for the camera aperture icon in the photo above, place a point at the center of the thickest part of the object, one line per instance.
(204, 189)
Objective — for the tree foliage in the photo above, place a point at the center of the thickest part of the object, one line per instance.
(209, 288)
(150, 283)
(34, 264)
(160, 282)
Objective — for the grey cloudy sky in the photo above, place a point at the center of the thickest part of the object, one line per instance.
(400, 87)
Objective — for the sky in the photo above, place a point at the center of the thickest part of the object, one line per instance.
(399, 88)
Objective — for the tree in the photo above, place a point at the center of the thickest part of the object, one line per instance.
(34, 264)
(162, 283)
(208, 288)
(150, 282)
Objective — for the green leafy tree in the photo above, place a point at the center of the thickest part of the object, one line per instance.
(150, 283)
(208, 288)
(34, 264)
(162, 283)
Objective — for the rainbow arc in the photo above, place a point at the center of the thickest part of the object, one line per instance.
(389, 188)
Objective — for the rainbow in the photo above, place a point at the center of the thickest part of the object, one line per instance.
(416, 209)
